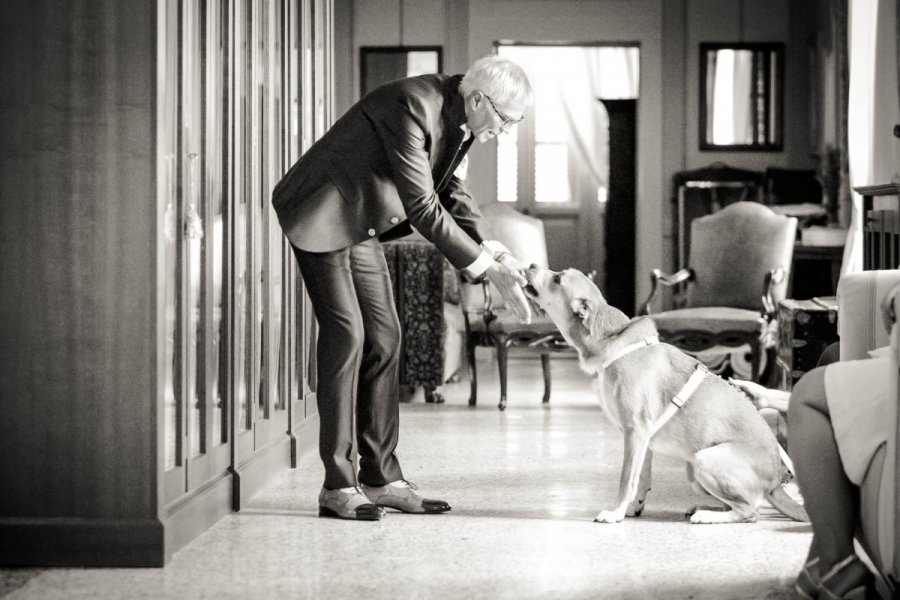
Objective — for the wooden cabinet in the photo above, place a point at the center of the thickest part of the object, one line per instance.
(154, 284)
(236, 318)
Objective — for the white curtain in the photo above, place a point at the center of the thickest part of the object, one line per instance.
(873, 108)
(610, 73)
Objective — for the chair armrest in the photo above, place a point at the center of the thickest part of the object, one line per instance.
(773, 277)
(657, 277)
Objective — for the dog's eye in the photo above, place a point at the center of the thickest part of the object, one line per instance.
(557, 278)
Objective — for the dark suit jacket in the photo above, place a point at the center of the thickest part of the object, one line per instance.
(386, 164)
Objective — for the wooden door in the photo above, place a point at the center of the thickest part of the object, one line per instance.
(618, 280)
(194, 267)
(261, 269)
(237, 323)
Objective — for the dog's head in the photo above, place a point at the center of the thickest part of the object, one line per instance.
(574, 304)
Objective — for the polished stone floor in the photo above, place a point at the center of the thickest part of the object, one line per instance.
(524, 484)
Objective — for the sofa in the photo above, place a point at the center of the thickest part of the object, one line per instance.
(861, 329)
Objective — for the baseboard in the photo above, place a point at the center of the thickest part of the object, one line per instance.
(306, 438)
(190, 516)
(253, 474)
(74, 542)
(65, 542)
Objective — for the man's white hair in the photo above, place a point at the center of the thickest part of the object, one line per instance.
(500, 78)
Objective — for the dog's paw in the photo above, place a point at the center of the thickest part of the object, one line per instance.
(635, 509)
(718, 516)
(699, 516)
(700, 507)
(609, 516)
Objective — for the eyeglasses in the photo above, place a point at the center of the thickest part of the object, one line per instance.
(506, 121)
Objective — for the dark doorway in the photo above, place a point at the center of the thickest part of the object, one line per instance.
(619, 222)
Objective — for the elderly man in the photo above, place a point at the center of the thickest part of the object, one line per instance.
(394, 161)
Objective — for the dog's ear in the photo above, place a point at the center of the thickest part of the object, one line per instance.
(598, 318)
(583, 309)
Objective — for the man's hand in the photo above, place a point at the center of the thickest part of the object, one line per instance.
(506, 276)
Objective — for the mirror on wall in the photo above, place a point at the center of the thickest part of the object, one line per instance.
(381, 64)
(741, 96)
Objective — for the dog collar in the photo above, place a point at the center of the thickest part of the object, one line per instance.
(647, 341)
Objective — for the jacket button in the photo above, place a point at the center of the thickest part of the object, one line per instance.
(371, 232)
(395, 220)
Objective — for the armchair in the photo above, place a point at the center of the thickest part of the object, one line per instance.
(489, 323)
(861, 329)
(740, 260)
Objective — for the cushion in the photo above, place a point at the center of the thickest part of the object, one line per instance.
(714, 319)
(507, 321)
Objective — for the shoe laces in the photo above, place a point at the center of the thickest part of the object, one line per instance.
(410, 484)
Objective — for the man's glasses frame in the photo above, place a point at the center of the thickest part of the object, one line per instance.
(506, 121)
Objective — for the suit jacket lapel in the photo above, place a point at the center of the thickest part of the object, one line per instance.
(453, 116)
(455, 149)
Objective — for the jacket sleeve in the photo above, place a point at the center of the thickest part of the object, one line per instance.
(456, 199)
(404, 140)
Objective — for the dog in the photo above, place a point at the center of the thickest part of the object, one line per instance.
(730, 451)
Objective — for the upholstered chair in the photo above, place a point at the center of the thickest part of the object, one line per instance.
(862, 329)
(490, 323)
(738, 270)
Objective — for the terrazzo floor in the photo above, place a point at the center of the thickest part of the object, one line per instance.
(525, 485)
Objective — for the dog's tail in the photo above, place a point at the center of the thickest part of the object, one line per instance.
(786, 505)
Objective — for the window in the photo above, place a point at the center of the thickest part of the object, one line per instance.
(558, 155)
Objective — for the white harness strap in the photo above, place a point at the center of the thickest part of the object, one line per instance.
(647, 341)
(681, 398)
(683, 395)
(787, 459)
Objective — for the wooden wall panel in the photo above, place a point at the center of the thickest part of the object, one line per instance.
(83, 479)
(77, 220)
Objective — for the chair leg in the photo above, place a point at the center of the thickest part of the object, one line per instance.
(769, 375)
(501, 367)
(545, 367)
(473, 374)
(754, 362)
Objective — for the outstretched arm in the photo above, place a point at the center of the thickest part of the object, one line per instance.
(764, 397)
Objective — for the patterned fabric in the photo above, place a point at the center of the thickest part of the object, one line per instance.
(418, 273)
(451, 284)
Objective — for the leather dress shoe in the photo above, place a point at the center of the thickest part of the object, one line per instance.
(404, 498)
(353, 505)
